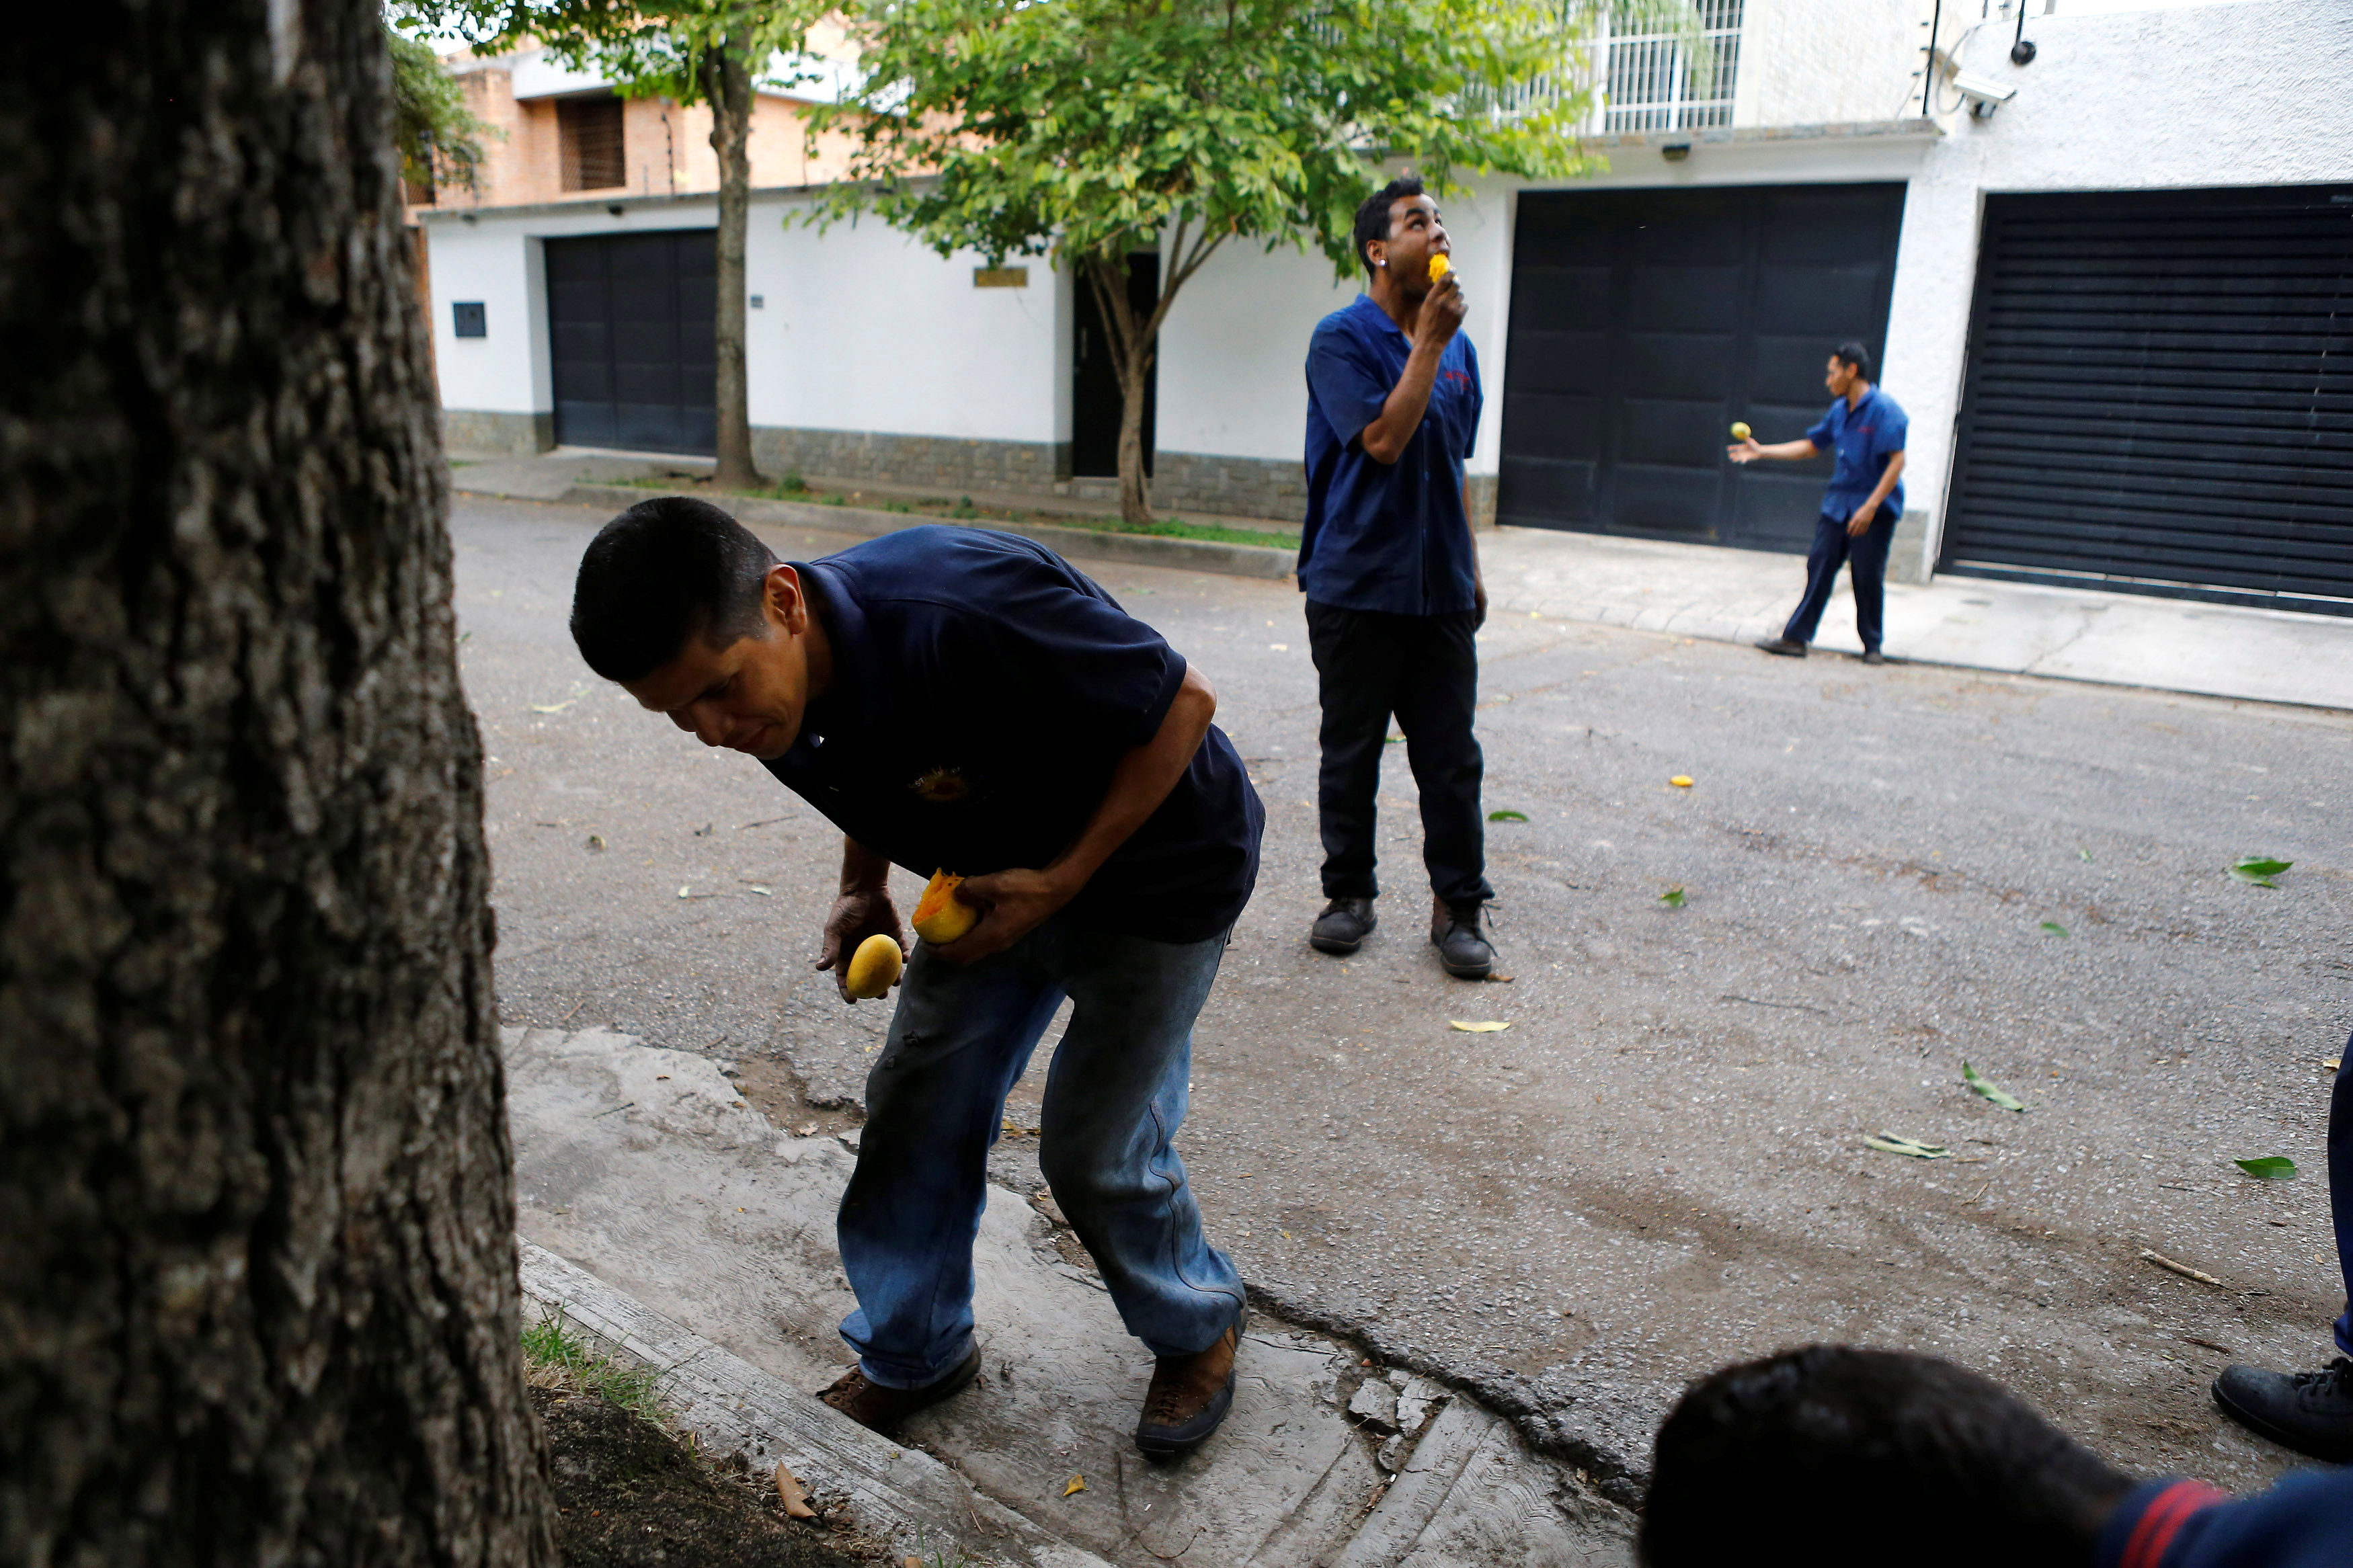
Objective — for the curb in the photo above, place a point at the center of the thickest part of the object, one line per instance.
(1264, 561)
(903, 1495)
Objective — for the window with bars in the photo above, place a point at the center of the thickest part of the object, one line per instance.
(588, 143)
(1670, 81)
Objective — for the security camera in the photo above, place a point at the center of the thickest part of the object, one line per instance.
(1984, 95)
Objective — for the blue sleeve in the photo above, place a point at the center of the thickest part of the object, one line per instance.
(1050, 645)
(2304, 1521)
(1477, 399)
(1346, 382)
(1820, 434)
(1895, 424)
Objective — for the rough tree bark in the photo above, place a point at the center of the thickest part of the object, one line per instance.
(727, 84)
(258, 1293)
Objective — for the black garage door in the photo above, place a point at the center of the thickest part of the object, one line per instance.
(1644, 322)
(631, 332)
(2160, 397)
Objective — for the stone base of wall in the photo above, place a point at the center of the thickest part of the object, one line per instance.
(507, 435)
(1907, 549)
(938, 461)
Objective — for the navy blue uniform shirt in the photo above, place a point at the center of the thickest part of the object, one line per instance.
(2305, 1520)
(1386, 536)
(1864, 437)
(983, 690)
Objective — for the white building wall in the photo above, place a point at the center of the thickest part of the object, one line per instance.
(1831, 62)
(866, 330)
(2235, 94)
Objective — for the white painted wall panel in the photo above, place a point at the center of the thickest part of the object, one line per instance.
(865, 329)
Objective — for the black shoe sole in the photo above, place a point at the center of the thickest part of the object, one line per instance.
(1337, 948)
(1798, 652)
(2327, 1453)
(1163, 1443)
(1467, 972)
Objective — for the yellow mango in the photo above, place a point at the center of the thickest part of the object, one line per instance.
(1740, 431)
(1439, 268)
(941, 917)
(873, 968)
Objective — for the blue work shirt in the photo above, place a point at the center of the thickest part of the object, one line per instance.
(983, 690)
(2305, 1520)
(1864, 437)
(1386, 536)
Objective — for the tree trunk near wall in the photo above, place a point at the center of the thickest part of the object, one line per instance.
(257, 1292)
(728, 83)
(1134, 341)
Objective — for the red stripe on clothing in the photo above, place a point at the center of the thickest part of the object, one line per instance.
(2165, 1515)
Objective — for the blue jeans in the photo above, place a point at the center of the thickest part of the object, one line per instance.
(1864, 556)
(2340, 1188)
(1115, 1098)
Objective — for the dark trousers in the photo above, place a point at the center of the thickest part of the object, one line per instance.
(1865, 558)
(2340, 1187)
(1425, 670)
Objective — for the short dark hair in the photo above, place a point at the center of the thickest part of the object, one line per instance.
(1820, 1453)
(663, 570)
(1372, 216)
(1853, 353)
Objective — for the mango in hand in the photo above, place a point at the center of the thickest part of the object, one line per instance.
(1439, 268)
(940, 916)
(873, 968)
(1740, 431)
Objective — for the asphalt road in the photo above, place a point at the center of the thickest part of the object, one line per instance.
(1660, 1166)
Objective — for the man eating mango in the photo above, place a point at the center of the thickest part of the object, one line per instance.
(963, 700)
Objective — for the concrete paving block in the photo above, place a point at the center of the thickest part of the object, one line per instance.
(640, 1169)
(897, 1493)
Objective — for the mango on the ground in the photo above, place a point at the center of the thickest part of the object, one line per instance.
(940, 916)
(874, 967)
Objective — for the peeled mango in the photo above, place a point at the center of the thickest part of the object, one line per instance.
(873, 968)
(1740, 431)
(940, 916)
(1439, 268)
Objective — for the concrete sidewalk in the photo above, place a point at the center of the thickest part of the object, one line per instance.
(662, 1212)
(2118, 639)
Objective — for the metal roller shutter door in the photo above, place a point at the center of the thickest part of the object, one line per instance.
(2159, 396)
(633, 340)
(1645, 321)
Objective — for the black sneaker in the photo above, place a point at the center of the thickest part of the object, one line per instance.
(2310, 1412)
(1872, 656)
(1788, 647)
(1464, 950)
(1343, 926)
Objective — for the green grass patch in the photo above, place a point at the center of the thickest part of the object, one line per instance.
(964, 510)
(556, 1356)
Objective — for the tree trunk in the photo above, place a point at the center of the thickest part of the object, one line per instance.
(1134, 341)
(728, 83)
(256, 1254)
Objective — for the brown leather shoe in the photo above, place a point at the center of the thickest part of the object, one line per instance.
(873, 1405)
(1190, 1396)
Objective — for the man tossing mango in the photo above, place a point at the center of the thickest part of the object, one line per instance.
(965, 702)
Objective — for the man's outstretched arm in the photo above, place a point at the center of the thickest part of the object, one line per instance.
(1019, 901)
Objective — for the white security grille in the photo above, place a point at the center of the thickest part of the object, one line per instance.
(1668, 81)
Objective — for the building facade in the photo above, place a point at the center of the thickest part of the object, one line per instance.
(2112, 285)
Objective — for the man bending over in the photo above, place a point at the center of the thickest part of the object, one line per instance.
(963, 700)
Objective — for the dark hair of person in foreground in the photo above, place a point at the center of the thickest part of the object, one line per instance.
(663, 570)
(1829, 1452)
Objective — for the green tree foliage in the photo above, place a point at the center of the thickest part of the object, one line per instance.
(439, 139)
(1086, 129)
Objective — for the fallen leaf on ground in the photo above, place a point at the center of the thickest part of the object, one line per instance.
(1507, 816)
(2269, 1168)
(2086, 855)
(2260, 870)
(2332, 1063)
(1078, 1484)
(1681, 781)
(2054, 928)
(789, 1488)
(1488, 1027)
(1990, 1089)
(595, 841)
(1673, 898)
(553, 707)
(1896, 1143)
